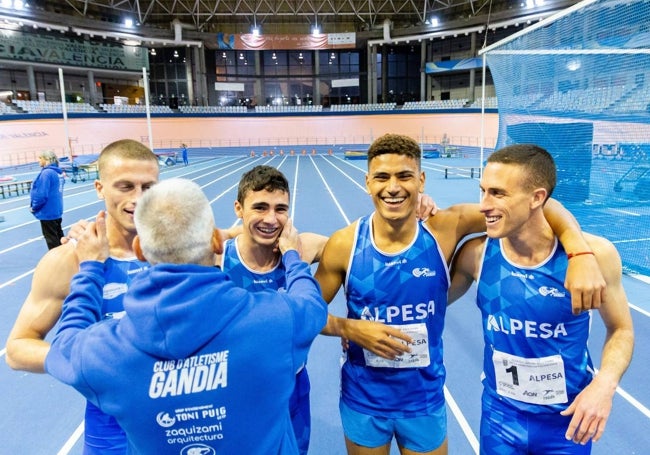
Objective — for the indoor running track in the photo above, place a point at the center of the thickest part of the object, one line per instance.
(42, 416)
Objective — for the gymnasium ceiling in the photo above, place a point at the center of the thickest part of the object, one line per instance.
(277, 16)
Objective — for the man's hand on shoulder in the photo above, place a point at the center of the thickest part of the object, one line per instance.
(92, 245)
(426, 207)
(76, 231)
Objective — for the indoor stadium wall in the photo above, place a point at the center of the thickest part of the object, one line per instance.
(24, 139)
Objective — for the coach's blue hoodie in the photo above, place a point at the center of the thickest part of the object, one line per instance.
(46, 194)
(196, 365)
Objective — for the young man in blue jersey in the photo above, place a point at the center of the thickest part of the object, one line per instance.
(252, 261)
(187, 369)
(395, 270)
(126, 170)
(540, 393)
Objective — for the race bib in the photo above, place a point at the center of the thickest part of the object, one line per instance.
(417, 358)
(536, 381)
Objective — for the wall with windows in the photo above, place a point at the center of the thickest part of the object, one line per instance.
(15, 86)
(169, 73)
(288, 78)
(326, 77)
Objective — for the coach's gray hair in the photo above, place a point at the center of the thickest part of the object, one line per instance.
(49, 157)
(175, 223)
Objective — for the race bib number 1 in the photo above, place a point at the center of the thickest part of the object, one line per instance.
(417, 358)
(536, 381)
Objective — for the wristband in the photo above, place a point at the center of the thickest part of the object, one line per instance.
(572, 255)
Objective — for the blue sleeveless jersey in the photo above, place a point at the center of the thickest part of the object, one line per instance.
(535, 357)
(103, 435)
(242, 276)
(409, 290)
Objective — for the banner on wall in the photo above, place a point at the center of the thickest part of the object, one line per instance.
(445, 66)
(60, 50)
(250, 42)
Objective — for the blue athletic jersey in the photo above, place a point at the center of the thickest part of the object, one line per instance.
(406, 289)
(536, 357)
(102, 434)
(237, 271)
(243, 276)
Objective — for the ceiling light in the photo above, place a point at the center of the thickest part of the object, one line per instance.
(573, 65)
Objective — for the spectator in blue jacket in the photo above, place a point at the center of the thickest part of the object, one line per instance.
(188, 366)
(186, 160)
(46, 198)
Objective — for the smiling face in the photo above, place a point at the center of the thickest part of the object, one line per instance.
(394, 181)
(507, 201)
(123, 180)
(263, 214)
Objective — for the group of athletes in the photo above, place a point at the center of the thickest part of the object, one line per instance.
(539, 278)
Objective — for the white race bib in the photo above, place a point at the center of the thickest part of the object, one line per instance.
(417, 358)
(536, 381)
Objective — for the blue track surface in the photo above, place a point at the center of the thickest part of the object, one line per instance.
(328, 192)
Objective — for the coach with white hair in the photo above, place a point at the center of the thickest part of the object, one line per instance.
(46, 198)
(195, 363)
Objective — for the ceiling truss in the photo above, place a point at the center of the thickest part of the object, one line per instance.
(204, 14)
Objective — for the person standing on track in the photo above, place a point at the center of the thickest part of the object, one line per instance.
(186, 160)
(395, 270)
(126, 170)
(253, 261)
(188, 369)
(540, 394)
(46, 198)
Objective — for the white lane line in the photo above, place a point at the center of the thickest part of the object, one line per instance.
(361, 187)
(639, 309)
(329, 190)
(72, 440)
(462, 421)
(294, 192)
(633, 401)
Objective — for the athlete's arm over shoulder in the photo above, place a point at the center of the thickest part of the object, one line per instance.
(584, 278)
(331, 273)
(26, 345)
(312, 246)
(465, 267)
(333, 263)
(455, 222)
(592, 406)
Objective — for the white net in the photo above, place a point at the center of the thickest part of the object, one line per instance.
(578, 84)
